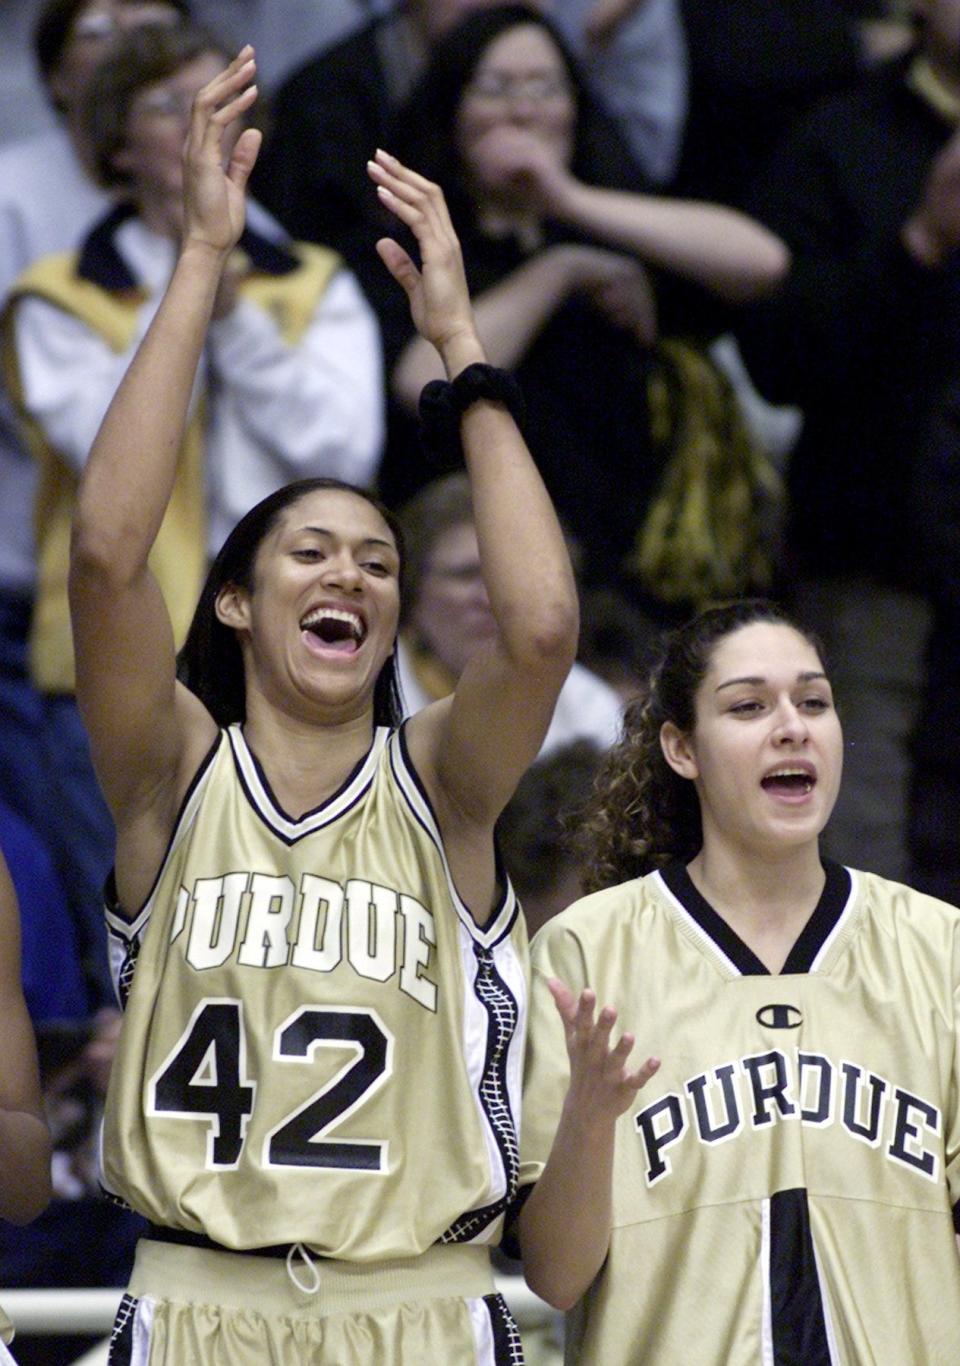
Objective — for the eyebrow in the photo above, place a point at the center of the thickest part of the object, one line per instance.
(367, 540)
(757, 681)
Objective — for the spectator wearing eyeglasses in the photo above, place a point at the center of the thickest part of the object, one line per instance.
(575, 267)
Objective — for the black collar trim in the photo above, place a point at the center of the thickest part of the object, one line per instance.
(101, 263)
(834, 900)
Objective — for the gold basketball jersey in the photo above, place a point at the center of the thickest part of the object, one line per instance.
(785, 1186)
(320, 1045)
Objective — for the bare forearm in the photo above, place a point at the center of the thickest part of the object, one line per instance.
(25, 1166)
(508, 318)
(129, 477)
(565, 1223)
(717, 247)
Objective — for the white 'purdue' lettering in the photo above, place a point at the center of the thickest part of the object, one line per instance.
(271, 908)
(418, 935)
(371, 934)
(216, 912)
(319, 949)
(380, 934)
(858, 1103)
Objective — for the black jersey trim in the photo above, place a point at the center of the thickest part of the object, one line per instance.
(493, 1093)
(120, 1350)
(291, 829)
(123, 923)
(506, 910)
(833, 903)
(507, 1344)
(797, 1317)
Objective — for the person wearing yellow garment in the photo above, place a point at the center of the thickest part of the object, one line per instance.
(290, 384)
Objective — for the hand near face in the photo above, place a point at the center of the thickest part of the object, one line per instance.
(601, 1086)
(933, 231)
(214, 211)
(624, 293)
(513, 164)
(438, 294)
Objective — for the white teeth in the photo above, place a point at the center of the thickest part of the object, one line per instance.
(789, 773)
(334, 614)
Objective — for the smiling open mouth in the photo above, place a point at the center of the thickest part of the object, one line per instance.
(336, 628)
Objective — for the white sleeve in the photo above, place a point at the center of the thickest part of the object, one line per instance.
(68, 373)
(317, 408)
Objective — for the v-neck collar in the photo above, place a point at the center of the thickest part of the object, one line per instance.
(290, 828)
(835, 899)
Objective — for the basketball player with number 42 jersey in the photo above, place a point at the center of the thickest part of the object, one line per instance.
(316, 1095)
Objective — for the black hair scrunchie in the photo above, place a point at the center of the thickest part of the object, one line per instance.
(443, 403)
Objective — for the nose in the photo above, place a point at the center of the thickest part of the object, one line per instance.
(342, 571)
(791, 725)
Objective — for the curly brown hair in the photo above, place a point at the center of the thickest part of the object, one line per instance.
(642, 814)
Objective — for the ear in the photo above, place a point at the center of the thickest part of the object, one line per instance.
(678, 751)
(233, 607)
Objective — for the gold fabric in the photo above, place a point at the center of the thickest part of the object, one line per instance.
(685, 1279)
(703, 536)
(326, 973)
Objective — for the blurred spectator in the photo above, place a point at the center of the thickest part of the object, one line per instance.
(863, 336)
(533, 831)
(47, 202)
(935, 796)
(292, 383)
(561, 246)
(447, 617)
(618, 642)
(634, 56)
(330, 115)
(79, 1239)
(756, 66)
(284, 32)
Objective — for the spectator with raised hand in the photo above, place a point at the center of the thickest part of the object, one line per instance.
(322, 968)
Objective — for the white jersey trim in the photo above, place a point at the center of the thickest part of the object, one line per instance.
(695, 928)
(766, 1326)
(264, 803)
(409, 784)
(841, 922)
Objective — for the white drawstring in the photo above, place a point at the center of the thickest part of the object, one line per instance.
(307, 1261)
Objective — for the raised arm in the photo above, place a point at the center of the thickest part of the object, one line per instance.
(471, 749)
(145, 730)
(24, 1137)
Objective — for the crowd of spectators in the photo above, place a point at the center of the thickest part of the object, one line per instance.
(641, 188)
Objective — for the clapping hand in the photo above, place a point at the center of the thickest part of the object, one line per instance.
(438, 293)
